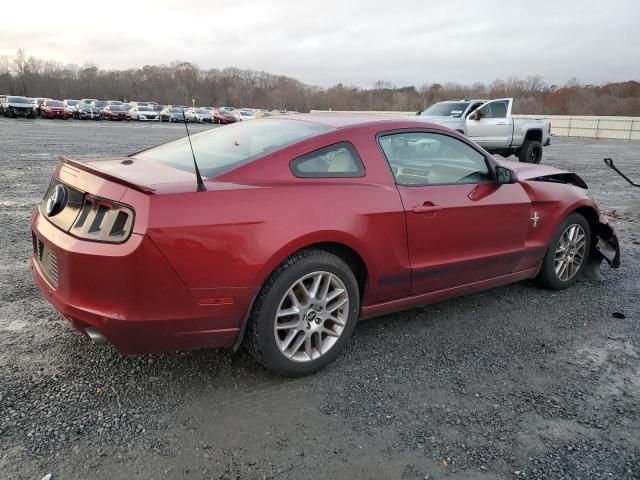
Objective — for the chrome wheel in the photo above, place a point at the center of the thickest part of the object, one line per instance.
(570, 252)
(311, 316)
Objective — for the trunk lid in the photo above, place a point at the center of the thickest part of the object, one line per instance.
(139, 174)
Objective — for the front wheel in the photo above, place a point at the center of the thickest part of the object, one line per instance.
(530, 152)
(567, 254)
(304, 314)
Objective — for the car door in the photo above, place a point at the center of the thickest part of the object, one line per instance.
(463, 226)
(491, 125)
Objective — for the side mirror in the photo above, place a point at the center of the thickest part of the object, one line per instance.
(504, 175)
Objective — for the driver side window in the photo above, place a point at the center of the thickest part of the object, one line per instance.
(494, 110)
(424, 158)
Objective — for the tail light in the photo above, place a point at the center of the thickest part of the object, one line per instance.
(103, 221)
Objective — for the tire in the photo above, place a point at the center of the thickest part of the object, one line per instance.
(530, 152)
(267, 345)
(549, 276)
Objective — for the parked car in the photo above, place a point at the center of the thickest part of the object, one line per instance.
(86, 111)
(397, 213)
(70, 106)
(143, 113)
(114, 102)
(198, 115)
(489, 123)
(99, 104)
(172, 114)
(115, 112)
(243, 115)
(37, 102)
(17, 106)
(54, 109)
(139, 104)
(263, 114)
(223, 118)
(226, 109)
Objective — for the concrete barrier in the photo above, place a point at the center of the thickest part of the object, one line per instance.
(621, 128)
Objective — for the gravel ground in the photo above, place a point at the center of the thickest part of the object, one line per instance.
(516, 382)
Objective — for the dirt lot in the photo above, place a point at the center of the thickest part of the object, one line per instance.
(516, 382)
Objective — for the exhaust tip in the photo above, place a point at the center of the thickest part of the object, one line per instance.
(96, 337)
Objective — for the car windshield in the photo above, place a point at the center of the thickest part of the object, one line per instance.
(72, 102)
(143, 108)
(175, 110)
(204, 111)
(117, 108)
(223, 149)
(115, 102)
(18, 100)
(54, 103)
(100, 104)
(446, 109)
(246, 114)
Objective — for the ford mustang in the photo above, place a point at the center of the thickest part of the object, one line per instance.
(279, 234)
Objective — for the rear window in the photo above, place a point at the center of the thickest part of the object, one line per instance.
(223, 149)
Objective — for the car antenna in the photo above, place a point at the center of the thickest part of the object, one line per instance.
(201, 186)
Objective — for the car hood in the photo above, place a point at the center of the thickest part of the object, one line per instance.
(439, 120)
(531, 171)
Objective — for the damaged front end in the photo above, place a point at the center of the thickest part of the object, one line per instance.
(604, 245)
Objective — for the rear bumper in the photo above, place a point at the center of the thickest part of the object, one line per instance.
(132, 296)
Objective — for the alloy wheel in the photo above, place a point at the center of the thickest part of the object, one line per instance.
(311, 316)
(535, 155)
(570, 252)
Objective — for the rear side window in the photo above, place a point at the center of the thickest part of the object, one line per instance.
(335, 161)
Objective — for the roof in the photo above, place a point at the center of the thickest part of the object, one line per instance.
(343, 120)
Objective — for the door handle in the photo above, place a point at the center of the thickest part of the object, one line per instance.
(426, 207)
(502, 123)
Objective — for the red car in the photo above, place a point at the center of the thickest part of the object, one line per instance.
(293, 228)
(54, 109)
(223, 118)
(115, 112)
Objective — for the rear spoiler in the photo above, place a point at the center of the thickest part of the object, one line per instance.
(96, 171)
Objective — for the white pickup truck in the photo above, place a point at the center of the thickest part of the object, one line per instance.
(489, 123)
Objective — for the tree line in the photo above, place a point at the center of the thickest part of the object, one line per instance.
(179, 82)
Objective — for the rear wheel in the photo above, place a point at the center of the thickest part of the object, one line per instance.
(530, 152)
(304, 314)
(567, 254)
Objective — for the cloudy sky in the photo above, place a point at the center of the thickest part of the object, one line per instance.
(357, 42)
